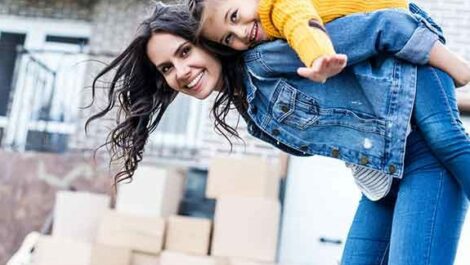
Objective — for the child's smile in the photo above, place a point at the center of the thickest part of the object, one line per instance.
(233, 23)
(255, 36)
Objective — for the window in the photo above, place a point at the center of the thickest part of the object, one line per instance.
(41, 82)
(179, 129)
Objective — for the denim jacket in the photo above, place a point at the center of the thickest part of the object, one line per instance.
(360, 116)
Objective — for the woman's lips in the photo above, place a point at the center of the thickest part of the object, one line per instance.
(196, 84)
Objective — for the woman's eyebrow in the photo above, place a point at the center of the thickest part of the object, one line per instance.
(177, 51)
(180, 47)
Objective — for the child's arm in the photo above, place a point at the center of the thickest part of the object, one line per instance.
(363, 36)
(299, 23)
(392, 32)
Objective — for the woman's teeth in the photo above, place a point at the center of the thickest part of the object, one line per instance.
(195, 80)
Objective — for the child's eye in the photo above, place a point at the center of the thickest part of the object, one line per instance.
(228, 39)
(233, 17)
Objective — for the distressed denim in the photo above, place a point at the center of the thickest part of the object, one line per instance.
(418, 222)
(361, 115)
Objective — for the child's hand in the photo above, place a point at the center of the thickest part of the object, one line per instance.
(324, 68)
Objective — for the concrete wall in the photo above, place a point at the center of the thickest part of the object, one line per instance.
(78, 9)
(28, 184)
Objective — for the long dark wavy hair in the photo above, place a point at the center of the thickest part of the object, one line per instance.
(142, 96)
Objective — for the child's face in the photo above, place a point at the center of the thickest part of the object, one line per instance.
(233, 23)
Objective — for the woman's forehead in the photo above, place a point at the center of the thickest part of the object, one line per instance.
(163, 45)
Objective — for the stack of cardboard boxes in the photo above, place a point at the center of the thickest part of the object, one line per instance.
(247, 211)
(144, 228)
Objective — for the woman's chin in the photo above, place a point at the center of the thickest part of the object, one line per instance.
(203, 95)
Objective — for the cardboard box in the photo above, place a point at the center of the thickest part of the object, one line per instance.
(154, 192)
(246, 228)
(59, 251)
(78, 214)
(188, 235)
(247, 176)
(109, 255)
(175, 258)
(139, 258)
(138, 233)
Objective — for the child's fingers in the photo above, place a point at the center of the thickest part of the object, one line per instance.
(342, 58)
(318, 64)
(305, 72)
(311, 74)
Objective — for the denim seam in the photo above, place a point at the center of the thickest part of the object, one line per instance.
(384, 255)
(263, 64)
(441, 88)
(399, 82)
(433, 221)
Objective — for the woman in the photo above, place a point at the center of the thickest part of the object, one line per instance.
(164, 60)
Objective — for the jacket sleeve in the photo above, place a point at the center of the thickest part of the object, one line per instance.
(393, 32)
(300, 24)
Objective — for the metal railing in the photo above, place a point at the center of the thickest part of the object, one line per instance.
(41, 113)
(44, 103)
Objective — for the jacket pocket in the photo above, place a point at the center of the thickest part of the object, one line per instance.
(293, 108)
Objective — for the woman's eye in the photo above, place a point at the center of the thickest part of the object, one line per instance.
(186, 51)
(233, 17)
(165, 69)
(228, 39)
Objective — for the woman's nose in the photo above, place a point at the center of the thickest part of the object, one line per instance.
(183, 72)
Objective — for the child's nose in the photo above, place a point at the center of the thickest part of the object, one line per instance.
(242, 33)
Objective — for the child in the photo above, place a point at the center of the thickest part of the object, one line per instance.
(241, 24)
(435, 112)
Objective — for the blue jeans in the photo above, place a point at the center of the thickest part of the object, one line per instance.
(406, 35)
(437, 116)
(418, 223)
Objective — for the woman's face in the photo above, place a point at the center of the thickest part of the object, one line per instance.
(186, 68)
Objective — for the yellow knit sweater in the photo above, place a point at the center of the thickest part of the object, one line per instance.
(289, 19)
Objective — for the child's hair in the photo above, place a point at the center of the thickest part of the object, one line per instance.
(142, 94)
(196, 7)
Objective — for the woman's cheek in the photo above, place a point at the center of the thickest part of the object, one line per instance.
(172, 83)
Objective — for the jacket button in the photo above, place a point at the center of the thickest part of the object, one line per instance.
(304, 148)
(254, 110)
(364, 160)
(335, 153)
(275, 132)
(392, 169)
(285, 109)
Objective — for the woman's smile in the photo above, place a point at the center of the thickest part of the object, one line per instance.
(195, 81)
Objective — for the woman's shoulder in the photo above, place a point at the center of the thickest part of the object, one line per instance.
(271, 48)
(274, 57)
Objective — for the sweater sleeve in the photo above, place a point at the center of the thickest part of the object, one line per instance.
(300, 24)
